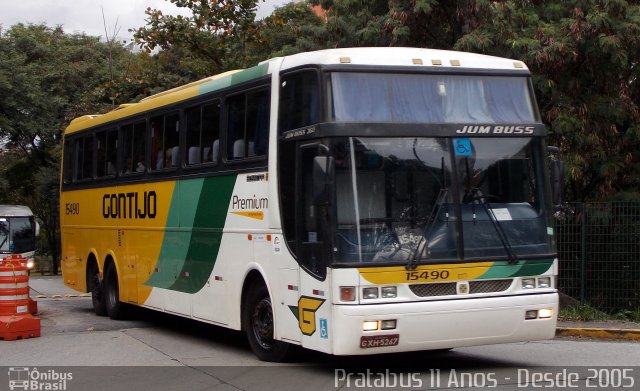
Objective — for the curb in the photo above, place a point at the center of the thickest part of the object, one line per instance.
(68, 295)
(599, 333)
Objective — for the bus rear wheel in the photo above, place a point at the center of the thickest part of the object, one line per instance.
(259, 326)
(115, 308)
(97, 295)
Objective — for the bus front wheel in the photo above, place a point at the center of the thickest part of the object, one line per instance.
(115, 308)
(259, 326)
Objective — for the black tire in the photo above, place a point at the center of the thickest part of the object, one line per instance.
(259, 326)
(97, 295)
(440, 351)
(115, 309)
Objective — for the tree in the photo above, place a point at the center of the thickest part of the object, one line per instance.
(584, 57)
(217, 35)
(289, 30)
(47, 78)
(352, 23)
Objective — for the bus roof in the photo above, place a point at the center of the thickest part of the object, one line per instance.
(402, 56)
(374, 56)
(15, 211)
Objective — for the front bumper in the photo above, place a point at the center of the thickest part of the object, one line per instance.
(446, 323)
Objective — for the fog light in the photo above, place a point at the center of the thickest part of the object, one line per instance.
(531, 314)
(347, 293)
(388, 324)
(545, 313)
(370, 325)
(370, 293)
(388, 292)
(544, 282)
(528, 283)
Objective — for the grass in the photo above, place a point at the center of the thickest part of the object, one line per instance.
(586, 312)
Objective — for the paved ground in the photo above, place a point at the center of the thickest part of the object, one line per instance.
(52, 287)
(160, 352)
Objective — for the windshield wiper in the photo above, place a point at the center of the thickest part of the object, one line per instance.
(417, 253)
(511, 255)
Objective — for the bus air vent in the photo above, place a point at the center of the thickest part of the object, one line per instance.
(449, 288)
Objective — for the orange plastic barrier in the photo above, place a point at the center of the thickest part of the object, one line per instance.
(16, 320)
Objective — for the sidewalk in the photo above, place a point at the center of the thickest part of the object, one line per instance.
(608, 329)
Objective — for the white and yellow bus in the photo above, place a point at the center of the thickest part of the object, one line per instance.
(350, 201)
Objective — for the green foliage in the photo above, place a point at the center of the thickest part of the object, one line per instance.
(583, 55)
(287, 31)
(583, 313)
(47, 78)
(217, 35)
(351, 23)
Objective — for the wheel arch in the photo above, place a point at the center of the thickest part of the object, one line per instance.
(110, 261)
(91, 268)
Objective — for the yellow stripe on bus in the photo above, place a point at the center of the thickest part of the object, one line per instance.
(424, 273)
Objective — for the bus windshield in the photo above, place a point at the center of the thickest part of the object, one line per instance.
(16, 235)
(408, 199)
(429, 98)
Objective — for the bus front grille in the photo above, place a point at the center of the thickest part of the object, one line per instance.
(449, 288)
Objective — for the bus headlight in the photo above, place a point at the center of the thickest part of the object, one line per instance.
(387, 292)
(528, 283)
(370, 293)
(544, 282)
(388, 324)
(30, 265)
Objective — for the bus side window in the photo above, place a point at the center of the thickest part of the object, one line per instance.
(134, 157)
(203, 133)
(210, 132)
(248, 124)
(68, 161)
(83, 161)
(193, 116)
(235, 127)
(257, 123)
(165, 131)
(299, 100)
(106, 147)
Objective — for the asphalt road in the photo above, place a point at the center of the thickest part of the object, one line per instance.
(161, 352)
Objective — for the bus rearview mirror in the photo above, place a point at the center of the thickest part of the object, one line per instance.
(557, 182)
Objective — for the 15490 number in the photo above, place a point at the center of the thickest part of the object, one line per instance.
(72, 208)
(432, 275)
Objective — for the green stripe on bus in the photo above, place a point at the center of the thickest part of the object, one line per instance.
(236, 78)
(175, 243)
(215, 85)
(194, 230)
(249, 74)
(503, 269)
(208, 222)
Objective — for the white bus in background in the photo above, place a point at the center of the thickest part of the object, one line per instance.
(18, 232)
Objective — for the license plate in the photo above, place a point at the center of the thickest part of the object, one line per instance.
(379, 341)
